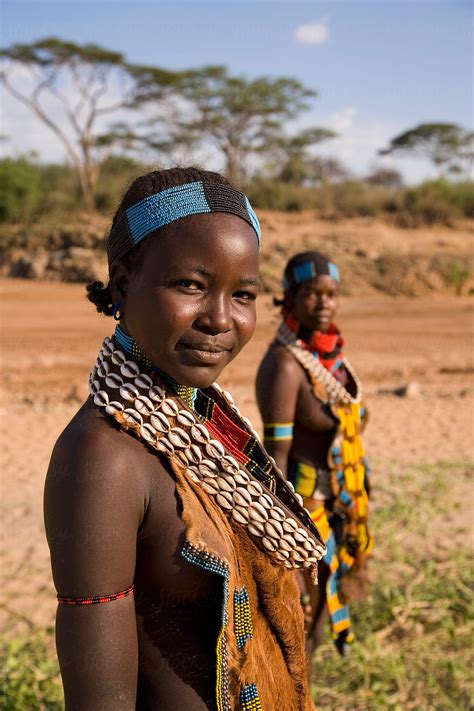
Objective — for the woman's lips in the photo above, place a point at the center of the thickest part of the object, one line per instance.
(202, 352)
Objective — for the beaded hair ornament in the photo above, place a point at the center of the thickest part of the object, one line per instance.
(310, 268)
(172, 204)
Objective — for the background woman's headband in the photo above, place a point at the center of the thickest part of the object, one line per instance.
(169, 205)
(310, 269)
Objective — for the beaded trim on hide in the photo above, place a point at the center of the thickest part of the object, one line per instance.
(140, 404)
(215, 565)
(336, 391)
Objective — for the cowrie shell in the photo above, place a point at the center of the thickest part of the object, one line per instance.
(108, 346)
(277, 513)
(193, 475)
(163, 445)
(237, 516)
(129, 369)
(285, 545)
(208, 468)
(231, 465)
(169, 407)
(180, 455)
(95, 386)
(214, 448)
(185, 418)
(241, 477)
(243, 511)
(132, 416)
(242, 497)
(226, 483)
(156, 393)
(143, 381)
(217, 387)
(288, 564)
(179, 438)
(129, 391)
(282, 555)
(269, 544)
(114, 381)
(224, 499)
(255, 528)
(144, 404)
(303, 552)
(160, 422)
(118, 357)
(290, 525)
(103, 369)
(308, 545)
(266, 501)
(290, 540)
(209, 488)
(257, 512)
(299, 498)
(211, 483)
(247, 422)
(300, 535)
(193, 453)
(113, 407)
(297, 557)
(228, 397)
(255, 488)
(273, 529)
(200, 433)
(101, 398)
(290, 485)
(148, 432)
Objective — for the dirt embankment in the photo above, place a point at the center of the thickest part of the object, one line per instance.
(373, 256)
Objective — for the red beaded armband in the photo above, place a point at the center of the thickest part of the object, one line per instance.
(94, 599)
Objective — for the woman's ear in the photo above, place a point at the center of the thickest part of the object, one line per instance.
(119, 283)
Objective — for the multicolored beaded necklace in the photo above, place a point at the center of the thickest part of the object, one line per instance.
(325, 347)
(243, 446)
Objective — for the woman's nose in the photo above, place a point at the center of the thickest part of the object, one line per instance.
(216, 316)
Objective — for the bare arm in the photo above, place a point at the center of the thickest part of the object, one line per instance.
(94, 504)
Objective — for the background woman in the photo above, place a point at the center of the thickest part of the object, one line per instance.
(310, 402)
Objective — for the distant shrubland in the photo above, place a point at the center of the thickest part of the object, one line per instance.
(35, 192)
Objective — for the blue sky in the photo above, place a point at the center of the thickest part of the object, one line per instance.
(380, 66)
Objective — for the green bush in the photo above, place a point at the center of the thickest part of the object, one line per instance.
(31, 677)
(20, 190)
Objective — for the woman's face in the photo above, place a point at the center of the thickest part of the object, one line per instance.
(191, 305)
(315, 303)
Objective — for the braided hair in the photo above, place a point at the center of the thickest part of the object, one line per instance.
(142, 187)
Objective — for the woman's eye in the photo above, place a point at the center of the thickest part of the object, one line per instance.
(245, 295)
(188, 284)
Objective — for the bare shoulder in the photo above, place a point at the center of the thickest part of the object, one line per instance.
(97, 495)
(279, 363)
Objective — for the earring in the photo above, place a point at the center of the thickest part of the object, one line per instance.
(117, 314)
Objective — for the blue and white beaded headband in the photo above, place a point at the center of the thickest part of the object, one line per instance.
(172, 204)
(310, 270)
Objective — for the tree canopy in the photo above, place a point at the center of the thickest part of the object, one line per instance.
(74, 88)
(448, 146)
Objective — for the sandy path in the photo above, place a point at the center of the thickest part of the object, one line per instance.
(51, 336)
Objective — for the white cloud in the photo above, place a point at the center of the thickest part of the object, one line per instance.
(315, 33)
(342, 120)
(360, 138)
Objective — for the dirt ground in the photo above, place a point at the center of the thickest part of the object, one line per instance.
(50, 338)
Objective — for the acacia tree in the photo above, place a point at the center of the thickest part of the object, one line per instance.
(71, 88)
(296, 164)
(448, 146)
(242, 118)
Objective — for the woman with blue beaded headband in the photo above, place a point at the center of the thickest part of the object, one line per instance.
(173, 536)
(310, 402)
